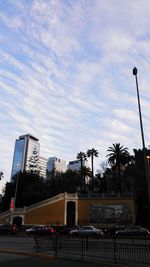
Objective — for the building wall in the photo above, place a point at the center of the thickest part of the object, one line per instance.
(59, 165)
(54, 211)
(75, 165)
(5, 217)
(84, 207)
(43, 166)
(49, 214)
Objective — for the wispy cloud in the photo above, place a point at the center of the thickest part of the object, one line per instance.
(66, 75)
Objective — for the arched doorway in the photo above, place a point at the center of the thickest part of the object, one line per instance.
(18, 221)
(71, 213)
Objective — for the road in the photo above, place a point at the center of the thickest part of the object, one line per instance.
(71, 248)
(18, 243)
(9, 260)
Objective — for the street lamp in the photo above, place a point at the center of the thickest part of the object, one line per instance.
(142, 135)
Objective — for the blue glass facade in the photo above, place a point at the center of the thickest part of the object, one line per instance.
(18, 156)
(24, 147)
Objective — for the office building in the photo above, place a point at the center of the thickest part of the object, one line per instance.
(75, 165)
(26, 147)
(42, 166)
(56, 164)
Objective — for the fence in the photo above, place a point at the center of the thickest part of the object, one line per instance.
(115, 249)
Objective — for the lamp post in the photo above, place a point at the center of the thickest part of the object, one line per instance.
(142, 135)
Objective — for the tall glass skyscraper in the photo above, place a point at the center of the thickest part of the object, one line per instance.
(25, 148)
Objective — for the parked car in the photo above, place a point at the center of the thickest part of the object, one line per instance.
(86, 230)
(66, 230)
(40, 230)
(133, 230)
(6, 229)
(113, 229)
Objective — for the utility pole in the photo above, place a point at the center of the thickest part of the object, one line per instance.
(147, 172)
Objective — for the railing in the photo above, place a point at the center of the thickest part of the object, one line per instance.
(113, 249)
(107, 195)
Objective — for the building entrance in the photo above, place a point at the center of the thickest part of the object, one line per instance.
(70, 213)
(18, 221)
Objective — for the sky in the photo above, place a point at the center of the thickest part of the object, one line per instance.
(66, 76)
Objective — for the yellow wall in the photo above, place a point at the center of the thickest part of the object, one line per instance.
(54, 212)
(49, 214)
(84, 207)
(5, 220)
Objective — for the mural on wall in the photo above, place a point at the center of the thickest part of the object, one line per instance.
(110, 214)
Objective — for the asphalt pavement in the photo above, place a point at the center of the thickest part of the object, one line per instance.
(16, 252)
(15, 260)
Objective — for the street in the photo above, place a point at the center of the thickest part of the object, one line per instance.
(22, 252)
(17, 243)
(9, 260)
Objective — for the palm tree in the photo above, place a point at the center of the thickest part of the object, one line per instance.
(86, 172)
(81, 156)
(118, 156)
(92, 153)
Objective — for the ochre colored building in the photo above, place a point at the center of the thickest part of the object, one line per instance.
(71, 209)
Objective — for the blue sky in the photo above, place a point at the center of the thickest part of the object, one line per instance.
(66, 75)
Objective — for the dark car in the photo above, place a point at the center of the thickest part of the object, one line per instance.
(41, 230)
(66, 230)
(133, 230)
(6, 229)
(117, 227)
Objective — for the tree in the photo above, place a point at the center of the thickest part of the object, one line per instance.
(81, 156)
(33, 164)
(92, 153)
(118, 156)
(86, 171)
(68, 181)
(1, 175)
(137, 184)
(8, 192)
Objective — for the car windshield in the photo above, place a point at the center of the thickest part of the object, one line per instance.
(134, 228)
(37, 227)
(86, 228)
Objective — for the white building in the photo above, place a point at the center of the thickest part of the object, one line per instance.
(56, 164)
(43, 166)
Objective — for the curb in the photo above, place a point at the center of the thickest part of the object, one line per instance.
(52, 257)
(42, 255)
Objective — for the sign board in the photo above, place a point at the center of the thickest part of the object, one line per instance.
(110, 214)
(12, 203)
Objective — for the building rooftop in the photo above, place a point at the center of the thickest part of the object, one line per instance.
(28, 135)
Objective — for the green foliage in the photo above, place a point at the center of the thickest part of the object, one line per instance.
(118, 155)
(92, 153)
(8, 193)
(32, 188)
(118, 158)
(81, 156)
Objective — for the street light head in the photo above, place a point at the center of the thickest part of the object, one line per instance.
(135, 71)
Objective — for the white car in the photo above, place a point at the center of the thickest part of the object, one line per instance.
(86, 230)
